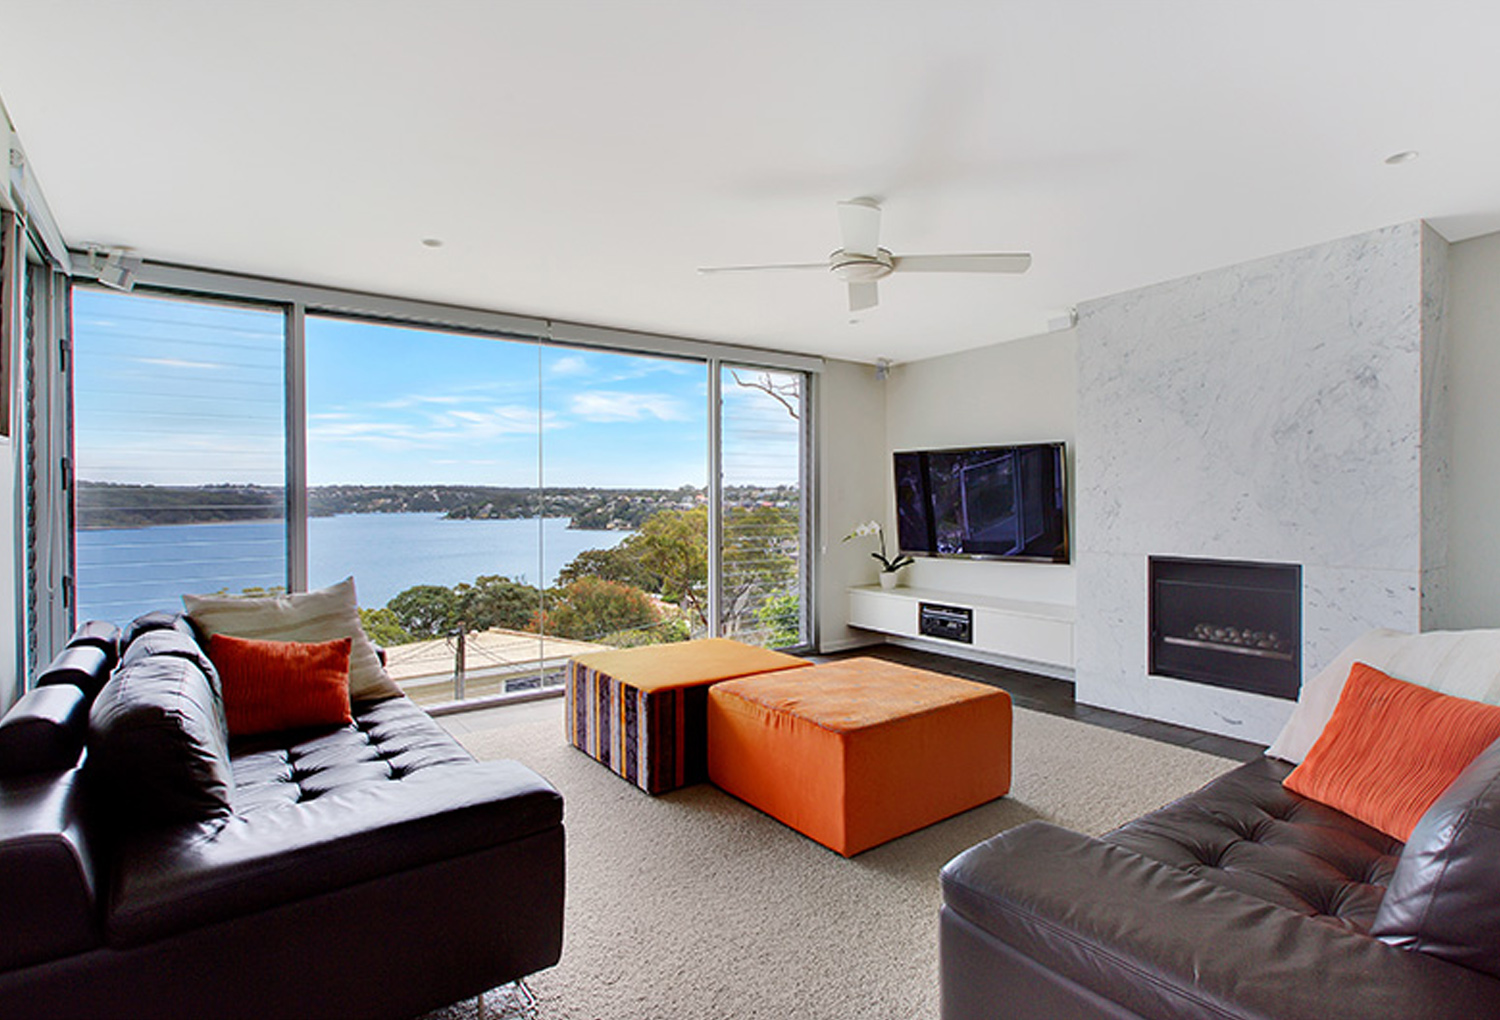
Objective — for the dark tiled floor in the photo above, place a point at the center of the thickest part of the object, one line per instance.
(1055, 697)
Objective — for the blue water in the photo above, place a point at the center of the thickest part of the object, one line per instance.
(123, 572)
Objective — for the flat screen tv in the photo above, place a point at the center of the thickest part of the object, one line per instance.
(986, 502)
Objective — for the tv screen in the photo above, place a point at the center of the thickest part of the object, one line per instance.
(1001, 502)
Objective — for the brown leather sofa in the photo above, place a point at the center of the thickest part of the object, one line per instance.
(374, 870)
(1242, 900)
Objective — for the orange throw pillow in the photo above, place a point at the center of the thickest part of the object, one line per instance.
(1391, 748)
(281, 685)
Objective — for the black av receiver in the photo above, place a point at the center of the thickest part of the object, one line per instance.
(951, 623)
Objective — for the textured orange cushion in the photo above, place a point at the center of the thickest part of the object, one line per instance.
(685, 663)
(281, 685)
(1391, 748)
(857, 752)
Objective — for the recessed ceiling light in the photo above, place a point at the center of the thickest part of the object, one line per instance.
(1401, 157)
(432, 242)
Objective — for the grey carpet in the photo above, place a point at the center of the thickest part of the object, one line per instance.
(695, 906)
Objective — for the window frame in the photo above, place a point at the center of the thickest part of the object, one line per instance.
(298, 300)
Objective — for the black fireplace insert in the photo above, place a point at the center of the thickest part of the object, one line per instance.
(1227, 623)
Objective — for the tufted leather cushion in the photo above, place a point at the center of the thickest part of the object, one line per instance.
(158, 745)
(1081, 929)
(1244, 831)
(314, 813)
(1443, 898)
(388, 741)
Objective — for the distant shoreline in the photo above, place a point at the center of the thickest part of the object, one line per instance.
(354, 513)
(110, 505)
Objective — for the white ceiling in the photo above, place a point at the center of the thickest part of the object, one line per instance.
(581, 159)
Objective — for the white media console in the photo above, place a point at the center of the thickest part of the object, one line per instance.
(963, 624)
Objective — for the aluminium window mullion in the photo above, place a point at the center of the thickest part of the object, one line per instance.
(715, 498)
(811, 522)
(295, 484)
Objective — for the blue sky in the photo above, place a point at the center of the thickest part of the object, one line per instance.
(179, 392)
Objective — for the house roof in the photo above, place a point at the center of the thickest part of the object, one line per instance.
(580, 160)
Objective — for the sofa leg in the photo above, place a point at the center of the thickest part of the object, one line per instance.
(514, 1001)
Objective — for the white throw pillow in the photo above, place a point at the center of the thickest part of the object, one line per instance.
(1463, 663)
(323, 615)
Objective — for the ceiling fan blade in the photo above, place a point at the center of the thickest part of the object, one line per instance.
(863, 295)
(859, 222)
(991, 262)
(755, 269)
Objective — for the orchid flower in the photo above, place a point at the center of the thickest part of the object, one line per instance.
(887, 565)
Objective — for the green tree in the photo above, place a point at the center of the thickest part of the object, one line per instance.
(591, 608)
(620, 563)
(496, 601)
(426, 610)
(383, 628)
(781, 618)
(760, 563)
(673, 546)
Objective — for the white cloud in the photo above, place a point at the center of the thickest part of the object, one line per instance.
(417, 400)
(212, 366)
(445, 430)
(495, 421)
(571, 364)
(611, 406)
(641, 367)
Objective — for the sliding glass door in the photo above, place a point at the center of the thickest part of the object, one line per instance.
(763, 576)
(422, 466)
(624, 485)
(502, 502)
(179, 450)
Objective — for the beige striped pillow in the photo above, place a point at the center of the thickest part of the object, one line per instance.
(312, 616)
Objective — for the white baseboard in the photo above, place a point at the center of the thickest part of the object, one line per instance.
(989, 658)
(849, 644)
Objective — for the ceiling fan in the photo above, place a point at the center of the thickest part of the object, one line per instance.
(861, 261)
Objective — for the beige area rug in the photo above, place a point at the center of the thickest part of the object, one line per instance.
(695, 906)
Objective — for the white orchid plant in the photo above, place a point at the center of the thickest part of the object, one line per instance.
(887, 564)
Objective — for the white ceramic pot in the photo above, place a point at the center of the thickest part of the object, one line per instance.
(889, 578)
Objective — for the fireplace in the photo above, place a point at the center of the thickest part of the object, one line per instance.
(1227, 623)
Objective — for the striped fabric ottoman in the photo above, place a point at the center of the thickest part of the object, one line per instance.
(639, 711)
(857, 752)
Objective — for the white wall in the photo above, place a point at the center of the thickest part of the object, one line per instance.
(1268, 411)
(855, 467)
(1473, 588)
(1017, 392)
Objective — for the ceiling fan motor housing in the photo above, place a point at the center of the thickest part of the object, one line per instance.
(857, 268)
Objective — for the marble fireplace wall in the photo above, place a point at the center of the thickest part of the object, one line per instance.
(1268, 411)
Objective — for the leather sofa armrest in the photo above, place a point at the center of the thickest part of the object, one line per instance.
(44, 731)
(47, 873)
(181, 877)
(1162, 943)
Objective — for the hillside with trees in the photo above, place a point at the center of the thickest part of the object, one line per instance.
(652, 587)
(113, 505)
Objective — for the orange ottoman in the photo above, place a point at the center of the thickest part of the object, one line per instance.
(858, 752)
(639, 711)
